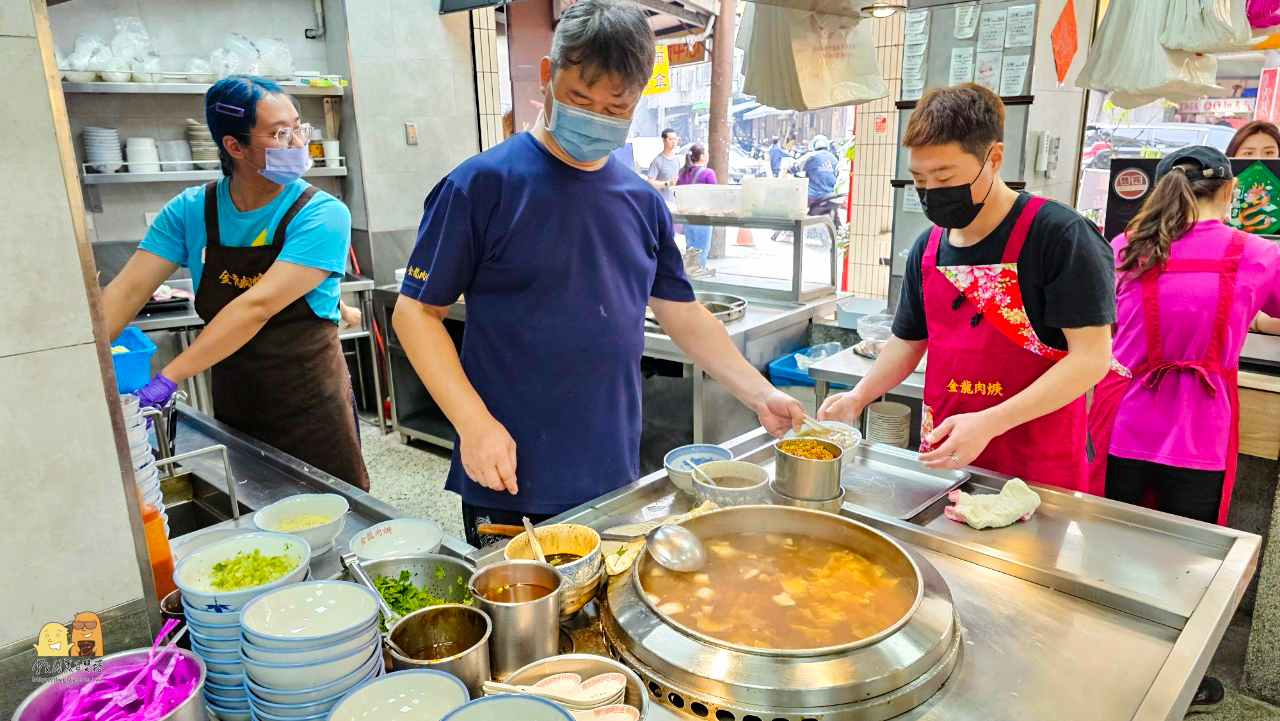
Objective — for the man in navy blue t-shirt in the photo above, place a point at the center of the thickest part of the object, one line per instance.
(821, 167)
(558, 248)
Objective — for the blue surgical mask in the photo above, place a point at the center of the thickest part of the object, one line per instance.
(584, 135)
(285, 165)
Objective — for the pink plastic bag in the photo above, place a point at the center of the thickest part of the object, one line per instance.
(1264, 15)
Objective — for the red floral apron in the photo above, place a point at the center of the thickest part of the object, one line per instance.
(1111, 391)
(983, 351)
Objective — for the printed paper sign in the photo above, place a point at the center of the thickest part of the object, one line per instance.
(991, 31)
(1021, 31)
(987, 73)
(966, 20)
(911, 200)
(961, 66)
(1013, 74)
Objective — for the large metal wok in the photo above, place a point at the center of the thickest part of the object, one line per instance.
(876, 678)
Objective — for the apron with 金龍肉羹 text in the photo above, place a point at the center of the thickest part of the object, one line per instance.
(288, 386)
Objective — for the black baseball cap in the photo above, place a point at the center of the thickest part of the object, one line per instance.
(1213, 163)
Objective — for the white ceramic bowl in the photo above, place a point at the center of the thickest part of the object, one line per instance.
(309, 614)
(509, 706)
(154, 498)
(232, 632)
(81, 76)
(193, 572)
(262, 715)
(149, 485)
(397, 537)
(294, 711)
(755, 494)
(236, 692)
(214, 643)
(225, 655)
(235, 703)
(330, 505)
(678, 460)
(314, 653)
(311, 695)
(413, 695)
(183, 546)
(226, 714)
(116, 76)
(227, 667)
(230, 680)
(298, 676)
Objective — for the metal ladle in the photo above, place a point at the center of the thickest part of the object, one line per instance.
(674, 547)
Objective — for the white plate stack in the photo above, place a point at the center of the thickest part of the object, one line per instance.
(146, 474)
(143, 155)
(889, 423)
(102, 149)
(203, 150)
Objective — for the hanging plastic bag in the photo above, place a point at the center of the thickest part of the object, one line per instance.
(1206, 26)
(131, 40)
(1264, 16)
(835, 60)
(274, 58)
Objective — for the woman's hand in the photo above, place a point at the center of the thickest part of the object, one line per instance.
(350, 316)
(966, 434)
(489, 454)
(157, 393)
(844, 407)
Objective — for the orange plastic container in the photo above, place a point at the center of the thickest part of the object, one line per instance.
(158, 550)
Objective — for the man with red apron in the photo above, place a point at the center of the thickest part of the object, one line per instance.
(1012, 298)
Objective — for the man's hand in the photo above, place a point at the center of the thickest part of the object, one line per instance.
(350, 316)
(966, 434)
(844, 407)
(778, 411)
(489, 455)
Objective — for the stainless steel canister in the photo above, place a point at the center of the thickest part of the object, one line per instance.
(451, 637)
(523, 631)
(807, 479)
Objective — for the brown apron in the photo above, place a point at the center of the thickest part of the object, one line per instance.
(288, 386)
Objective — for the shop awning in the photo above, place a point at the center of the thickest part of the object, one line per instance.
(668, 18)
(763, 111)
(743, 107)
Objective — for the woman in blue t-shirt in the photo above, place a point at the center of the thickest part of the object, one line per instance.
(266, 252)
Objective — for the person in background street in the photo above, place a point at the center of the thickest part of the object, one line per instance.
(267, 252)
(1187, 287)
(1011, 295)
(821, 167)
(558, 249)
(1258, 139)
(665, 168)
(695, 171)
(775, 157)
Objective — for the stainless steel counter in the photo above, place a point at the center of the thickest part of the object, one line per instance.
(264, 475)
(1092, 610)
(847, 368)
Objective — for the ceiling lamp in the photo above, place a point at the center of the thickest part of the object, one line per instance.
(881, 9)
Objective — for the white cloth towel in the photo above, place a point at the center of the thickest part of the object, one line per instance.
(1016, 502)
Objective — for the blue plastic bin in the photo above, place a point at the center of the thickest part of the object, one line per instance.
(785, 372)
(133, 367)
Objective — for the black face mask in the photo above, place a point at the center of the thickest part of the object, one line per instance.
(952, 206)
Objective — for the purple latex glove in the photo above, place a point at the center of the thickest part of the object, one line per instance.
(156, 393)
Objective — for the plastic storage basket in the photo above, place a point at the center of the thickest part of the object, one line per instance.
(785, 372)
(705, 199)
(775, 197)
(133, 367)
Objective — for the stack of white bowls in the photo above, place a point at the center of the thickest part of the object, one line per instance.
(142, 154)
(214, 616)
(145, 472)
(203, 150)
(889, 423)
(306, 645)
(102, 149)
(175, 155)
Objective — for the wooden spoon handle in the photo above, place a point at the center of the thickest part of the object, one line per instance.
(498, 529)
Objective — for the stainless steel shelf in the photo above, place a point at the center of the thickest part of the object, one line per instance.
(184, 176)
(185, 88)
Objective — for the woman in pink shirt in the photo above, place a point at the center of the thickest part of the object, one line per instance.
(1187, 287)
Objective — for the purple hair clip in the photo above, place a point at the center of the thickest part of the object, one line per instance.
(228, 110)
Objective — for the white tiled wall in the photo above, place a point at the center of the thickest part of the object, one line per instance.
(183, 29)
(409, 63)
(870, 235)
(65, 518)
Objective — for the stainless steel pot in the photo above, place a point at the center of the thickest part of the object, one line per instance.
(877, 678)
(46, 702)
(807, 479)
(452, 638)
(523, 631)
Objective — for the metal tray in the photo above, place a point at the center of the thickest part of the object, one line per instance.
(885, 479)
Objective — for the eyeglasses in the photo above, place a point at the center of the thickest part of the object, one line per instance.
(284, 136)
(85, 625)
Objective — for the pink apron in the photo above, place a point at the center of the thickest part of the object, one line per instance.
(1111, 391)
(983, 351)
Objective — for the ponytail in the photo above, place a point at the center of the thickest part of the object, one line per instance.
(1166, 215)
(696, 151)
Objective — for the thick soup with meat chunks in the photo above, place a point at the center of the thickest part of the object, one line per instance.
(785, 591)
